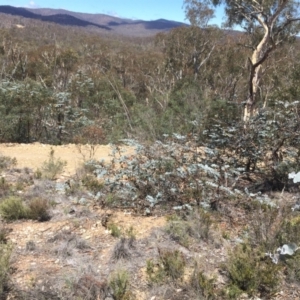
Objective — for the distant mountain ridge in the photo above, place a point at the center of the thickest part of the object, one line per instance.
(99, 21)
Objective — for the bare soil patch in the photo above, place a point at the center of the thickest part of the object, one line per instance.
(33, 155)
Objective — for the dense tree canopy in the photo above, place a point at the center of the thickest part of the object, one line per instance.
(58, 83)
(270, 23)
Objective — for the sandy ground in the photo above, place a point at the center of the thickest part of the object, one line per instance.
(33, 155)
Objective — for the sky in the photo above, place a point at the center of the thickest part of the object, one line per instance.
(131, 9)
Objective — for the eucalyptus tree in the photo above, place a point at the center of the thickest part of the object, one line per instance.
(269, 23)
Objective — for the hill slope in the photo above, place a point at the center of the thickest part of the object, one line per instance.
(95, 21)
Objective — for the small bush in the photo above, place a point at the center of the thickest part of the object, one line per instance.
(289, 231)
(203, 286)
(131, 235)
(265, 223)
(118, 283)
(178, 230)
(88, 140)
(292, 270)
(7, 162)
(5, 187)
(89, 288)
(251, 272)
(73, 188)
(171, 264)
(5, 253)
(121, 249)
(12, 209)
(65, 242)
(196, 225)
(92, 184)
(52, 167)
(200, 225)
(30, 246)
(38, 174)
(114, 229)
(155, 273)
(39, 209)
(3, 234)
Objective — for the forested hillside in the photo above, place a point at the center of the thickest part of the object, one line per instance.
(57, 80)
(98, 23)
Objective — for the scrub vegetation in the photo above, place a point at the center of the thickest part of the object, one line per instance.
(206, 207)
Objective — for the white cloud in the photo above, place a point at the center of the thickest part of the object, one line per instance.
(32, 4)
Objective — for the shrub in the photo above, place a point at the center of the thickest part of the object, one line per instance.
(203, 286)
(30, 246)
(89, 288)
(292, 270)
(114, 229)
(92, 184)
(5, 253)
(73, 188)
(38, 174)
(251, 272)
(289, 231)
(5, 187)
(171, 264)
(200, 225)
(196, 225)
(52, 167)
(65, 242)
(13, 208)
(91, 136)
(3, 234)
(131, 236)
(39, 209)
(121, 250)
(118, 283)
(7, 162)
(265, 226)
(178, 230)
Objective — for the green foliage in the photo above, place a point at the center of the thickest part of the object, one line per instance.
(202, 285)
(179, 231)
(249, 271)
(265, 226)
(114, 229)
(38, 174)
(5, 253)
(252, 146)
(3, 234)
(5, 187)
(200, 225)
(195, 225)
(12, 209)
(73, 188)
(118, 283)
(6, 162)
(289, 231)
(53, 166)
(92, 184)
(130, 233)
(292, 270)
(171, 264)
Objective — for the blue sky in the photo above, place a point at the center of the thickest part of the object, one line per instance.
(132, 9)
